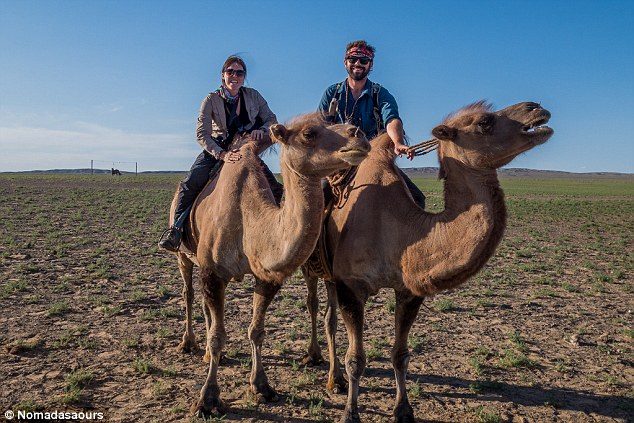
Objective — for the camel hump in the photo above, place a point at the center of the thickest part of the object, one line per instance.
(382, 147)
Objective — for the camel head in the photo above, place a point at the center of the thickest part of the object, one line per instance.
(312, 148)
(484, 139)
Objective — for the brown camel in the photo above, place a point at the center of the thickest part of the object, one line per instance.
(380, 238)
(238, 228)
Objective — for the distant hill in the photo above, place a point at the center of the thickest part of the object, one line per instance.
(410, 171)
(522, 173)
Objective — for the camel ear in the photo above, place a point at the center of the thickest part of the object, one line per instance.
(278, 133)
(444, 132)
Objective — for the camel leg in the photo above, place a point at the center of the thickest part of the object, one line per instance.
(313, 356)
(185, 266)
(262, 297)
(407, 306)
(207, 314)
(209, 403)
(352, 311)
(336, 382)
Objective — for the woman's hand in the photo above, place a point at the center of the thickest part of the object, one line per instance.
(257, 134)
(231, 156)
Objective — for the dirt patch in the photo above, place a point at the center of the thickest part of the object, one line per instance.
(92, 315)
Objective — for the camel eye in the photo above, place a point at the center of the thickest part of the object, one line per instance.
(309, 134)
(486, 123)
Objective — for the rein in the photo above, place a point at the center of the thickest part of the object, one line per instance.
(424, 147)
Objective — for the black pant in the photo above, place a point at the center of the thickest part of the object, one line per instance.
(205, 166)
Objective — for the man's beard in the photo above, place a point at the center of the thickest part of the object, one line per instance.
(358, 77)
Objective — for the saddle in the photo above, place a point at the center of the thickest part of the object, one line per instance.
(320, 262)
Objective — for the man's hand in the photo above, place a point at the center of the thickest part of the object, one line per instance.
(400, 149)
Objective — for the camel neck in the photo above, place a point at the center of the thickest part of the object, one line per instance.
(463, 236)
(297, 222)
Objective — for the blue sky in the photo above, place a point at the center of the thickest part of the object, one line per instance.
(122, 81)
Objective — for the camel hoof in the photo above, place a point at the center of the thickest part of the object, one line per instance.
(264, 394)
(338, 386)
(213, 408)
(403, 413)
(312, 360)
(350, 417)
(187, 347)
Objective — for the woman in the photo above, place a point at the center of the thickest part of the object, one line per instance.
(231, 109)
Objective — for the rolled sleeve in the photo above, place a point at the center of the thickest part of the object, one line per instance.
(388, 106)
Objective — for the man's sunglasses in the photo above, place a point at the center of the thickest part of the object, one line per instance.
(354, 59)
(235, 72)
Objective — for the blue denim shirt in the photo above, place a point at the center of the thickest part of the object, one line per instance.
(361, 114)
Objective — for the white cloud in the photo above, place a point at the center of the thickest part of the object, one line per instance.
(30, 148)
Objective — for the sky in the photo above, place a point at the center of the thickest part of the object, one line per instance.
(120, 82)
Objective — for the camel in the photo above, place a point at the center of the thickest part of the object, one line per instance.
(238, 228)
(378, 237)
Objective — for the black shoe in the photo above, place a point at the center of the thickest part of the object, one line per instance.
(171, 239)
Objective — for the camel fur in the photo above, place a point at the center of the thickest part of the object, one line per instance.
(242, 230)
(380, 238)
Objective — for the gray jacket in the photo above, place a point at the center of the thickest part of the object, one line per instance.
(212, 121)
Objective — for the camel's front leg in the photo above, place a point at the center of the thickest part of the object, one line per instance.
(336, 382)
(209, 403)
(185, 266)
(262, 297)
(407, 306)
(352, 311)
(313, 356)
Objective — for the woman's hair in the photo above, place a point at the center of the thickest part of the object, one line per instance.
(234, 59)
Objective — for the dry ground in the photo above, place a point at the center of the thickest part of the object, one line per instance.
(91, 313)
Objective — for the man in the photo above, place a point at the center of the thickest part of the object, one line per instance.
(366, 104)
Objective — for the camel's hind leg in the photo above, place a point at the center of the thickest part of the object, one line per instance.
(407, 306)
(313, 356)
(214, 295)
(352, 311)
(336, 382)
(185, 266)
(262, 297)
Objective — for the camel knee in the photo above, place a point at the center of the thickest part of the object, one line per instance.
(400, 358)
(256, 335)
(217, 341)
(355, 366)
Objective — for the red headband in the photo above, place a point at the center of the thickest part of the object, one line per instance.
(360, 52)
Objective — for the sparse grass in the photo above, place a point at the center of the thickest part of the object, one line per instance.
(509, 359)
(390, 304)
(485, 386)
(444, 305)
(141, 365)
(76, 382)
(13, 286)
(484, 415)
(109, 311)
(315, 405)
(22, 345)
(58, 308)
(415, 390)
(559, 249)
(516, 339)
(163, 291)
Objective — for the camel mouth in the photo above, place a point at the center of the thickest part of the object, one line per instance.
(537, 126)
(353, 156)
